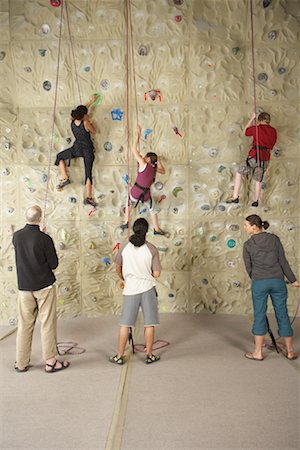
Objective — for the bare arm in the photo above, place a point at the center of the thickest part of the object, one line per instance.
(160, 167)
(119, 271)
(90, 102)
(135, 150)
(88, 125)
(156, 273)
(249, 124)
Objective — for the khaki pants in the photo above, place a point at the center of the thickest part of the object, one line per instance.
(30, 305)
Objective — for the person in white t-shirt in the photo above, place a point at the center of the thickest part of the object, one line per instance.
(138, 264)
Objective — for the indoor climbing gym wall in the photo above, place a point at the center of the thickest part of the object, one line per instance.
(187, 71)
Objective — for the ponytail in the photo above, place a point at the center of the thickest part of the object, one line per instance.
(140, 228)
(254, 219)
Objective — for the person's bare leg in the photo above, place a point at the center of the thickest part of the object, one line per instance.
(289, 346)
(257, 190)
(149, 338)
(52, 363)
(123, 337)
(63, 169)
(258, 350)
(237, 185)
(88, 188)
(154, 218)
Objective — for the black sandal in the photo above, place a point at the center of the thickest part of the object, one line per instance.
(64, 365)
(21, 370)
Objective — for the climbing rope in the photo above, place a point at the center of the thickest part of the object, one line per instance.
(53, 116)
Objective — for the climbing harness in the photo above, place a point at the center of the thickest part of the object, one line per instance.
(142, 196)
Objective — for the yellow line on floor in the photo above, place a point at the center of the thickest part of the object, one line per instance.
(114, 437)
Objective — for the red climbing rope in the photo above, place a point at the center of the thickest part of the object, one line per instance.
(53, 116)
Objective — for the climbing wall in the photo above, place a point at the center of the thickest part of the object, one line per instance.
(197, 54)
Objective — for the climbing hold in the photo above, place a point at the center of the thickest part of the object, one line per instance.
(92, 245)
(272, 35)
(178, 2)
(31, 190)
(107, 146)
(117, 246)
(91, 211)
(7, 145)
(281, 70)
(175, 210)
(213, 152)
(98, 100)
(178, 243)
(86, 69)
(234, 227)
(178, 18)
(274, 92)
(61, 245)
(94, 299)
(266, 3)
(170, 295)
(263, 185)
(162, 249)
(161, 198)
(42, 51)
(65, 235)
(106, 261)
(13, 321)
(2, 55)
(72, 199)
(205, 207)
(175, 129)
(68, 140)
(221, 168)
(276, 152)
(212, 238)
(199, 231)
(10, 268)
(104, 84)
(231, 243)
(262, 77)
(153, 93)
(143, 211)
(176, 191)
(231, 264)
(45, 28)
(47, 85)
(205, 281)
(143, 51)
(221, 207)
(10, 210)
(61, 301)
(235, 50)
(28, 69)
(125, 178)
(236, 283)
(5, 172)
(55, 3)
(116, 114)
(146, 132)
(158, 185)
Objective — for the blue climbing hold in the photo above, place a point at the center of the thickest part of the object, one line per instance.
(147, 132)
(106, 261)
(116, 114)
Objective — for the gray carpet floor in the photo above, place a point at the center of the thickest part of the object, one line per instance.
(203, 394)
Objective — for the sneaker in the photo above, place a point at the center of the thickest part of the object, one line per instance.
(90, 201)
(159, 233)
(255, 204)
(117, 360)
(151, 359)
(233, 200)
(124, 226)
(63, 183)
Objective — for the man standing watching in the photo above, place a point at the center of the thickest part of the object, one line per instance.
(36, 259)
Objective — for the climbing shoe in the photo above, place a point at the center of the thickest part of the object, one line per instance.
(233, 200)
(117, 360)
(159, 233)
(151, 359)
(63, 183)
(90, 201)
(255, 204)
(124, 226)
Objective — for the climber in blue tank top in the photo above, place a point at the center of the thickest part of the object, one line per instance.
(82, 147)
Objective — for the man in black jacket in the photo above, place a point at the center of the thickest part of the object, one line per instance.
(36, 259)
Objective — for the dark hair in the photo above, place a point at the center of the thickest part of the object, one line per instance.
(254, 219)
(264, 117)
(153, 158)
(79, 112)
(140, 228)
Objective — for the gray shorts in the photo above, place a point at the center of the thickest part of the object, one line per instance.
(131, 304)
(250, 164)
(150, 205)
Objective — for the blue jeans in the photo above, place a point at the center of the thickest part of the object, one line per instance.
(276, 288)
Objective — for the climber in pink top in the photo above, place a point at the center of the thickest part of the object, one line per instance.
(148, 166)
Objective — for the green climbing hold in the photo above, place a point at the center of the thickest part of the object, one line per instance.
(176, 191)
(235, 50)
(98, 100)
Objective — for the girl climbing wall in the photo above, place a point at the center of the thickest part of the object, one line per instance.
(83, 147)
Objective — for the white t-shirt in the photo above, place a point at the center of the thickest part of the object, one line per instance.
(137, 266)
